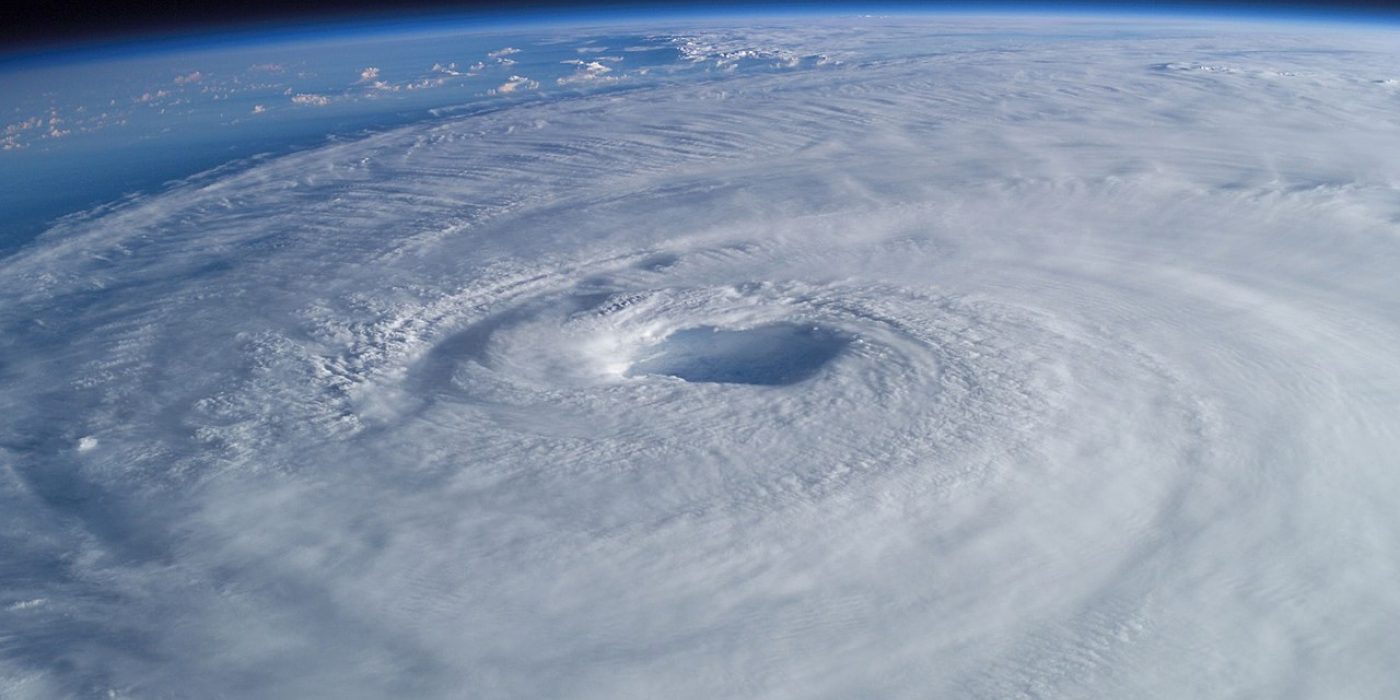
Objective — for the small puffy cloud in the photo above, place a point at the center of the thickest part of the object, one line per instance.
(189, 78)
(587, 72)
(30, 123)
(311, 99)
(423, 84)
(369, 74)
(502, 53)
(514, 84)
(259, 109)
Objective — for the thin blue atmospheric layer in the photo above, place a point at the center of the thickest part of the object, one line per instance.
(777, 354)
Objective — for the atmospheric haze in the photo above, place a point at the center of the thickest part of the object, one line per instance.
(952, 358)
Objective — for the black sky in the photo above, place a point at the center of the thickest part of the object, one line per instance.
(39, 23)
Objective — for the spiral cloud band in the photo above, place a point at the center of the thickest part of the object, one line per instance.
(998, 365)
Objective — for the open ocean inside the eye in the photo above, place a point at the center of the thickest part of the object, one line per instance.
(817, 356)
(773, 355)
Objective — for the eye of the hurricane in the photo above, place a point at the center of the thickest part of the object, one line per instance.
(773, 355)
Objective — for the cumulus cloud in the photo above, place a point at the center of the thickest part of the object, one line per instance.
(311, 99)
(514, 84)
(587, 72)
(15, 134)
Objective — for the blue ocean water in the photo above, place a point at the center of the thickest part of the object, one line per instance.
(84, 130)
(88, 126)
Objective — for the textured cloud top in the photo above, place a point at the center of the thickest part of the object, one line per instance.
(942, 360)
